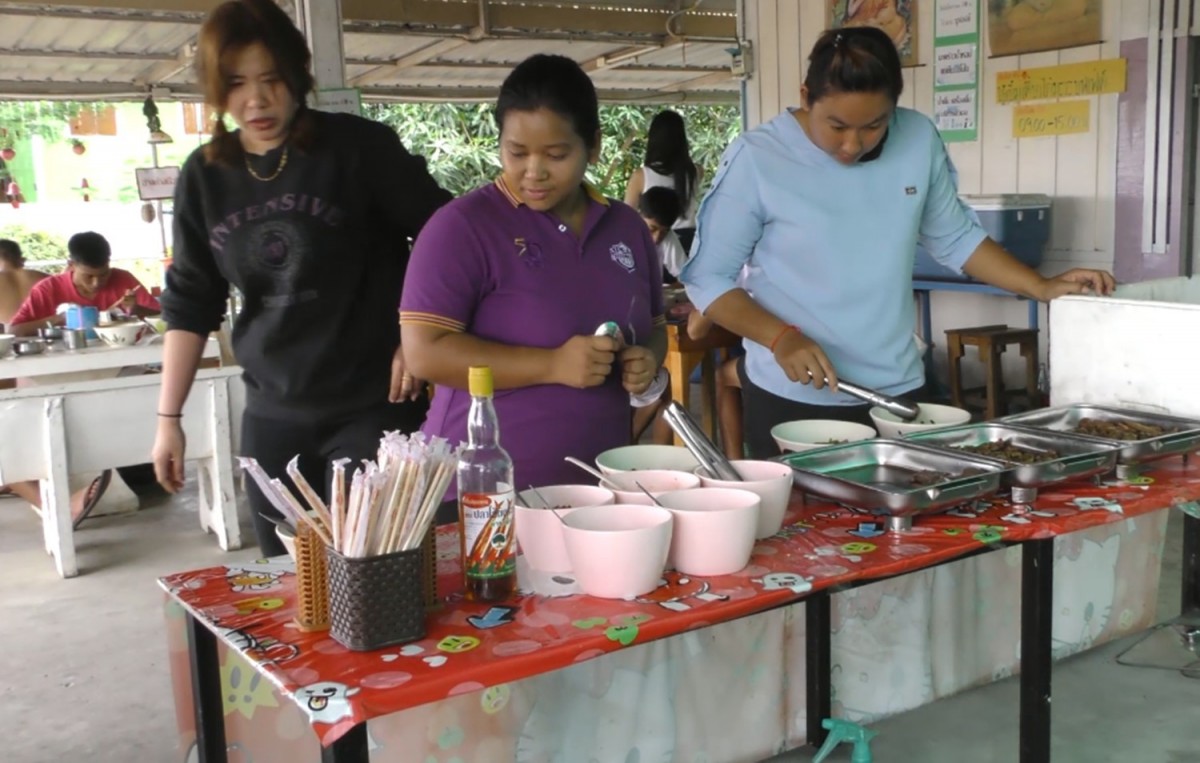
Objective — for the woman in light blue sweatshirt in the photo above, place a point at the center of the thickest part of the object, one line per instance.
(825, 206)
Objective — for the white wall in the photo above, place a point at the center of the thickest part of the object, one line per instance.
(1078, 171)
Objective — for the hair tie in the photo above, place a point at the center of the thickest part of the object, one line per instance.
(837, 40)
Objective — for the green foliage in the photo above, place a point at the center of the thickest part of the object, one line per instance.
(460, 141)
(49, 119)
(36, 245)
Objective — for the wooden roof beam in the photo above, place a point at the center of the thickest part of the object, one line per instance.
(716, 78)
(416, 58)
(465, 15)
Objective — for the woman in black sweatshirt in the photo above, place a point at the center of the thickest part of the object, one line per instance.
(309, 215)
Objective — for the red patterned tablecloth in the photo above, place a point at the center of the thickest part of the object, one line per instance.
(470, 647)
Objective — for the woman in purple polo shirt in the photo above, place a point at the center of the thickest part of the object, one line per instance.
(518, 274)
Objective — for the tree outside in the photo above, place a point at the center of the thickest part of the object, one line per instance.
(460, 140)
(37, 247)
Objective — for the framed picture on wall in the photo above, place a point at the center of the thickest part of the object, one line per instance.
(896, 17)
(1028, 26)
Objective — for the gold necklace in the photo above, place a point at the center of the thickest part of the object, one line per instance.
(273, 175)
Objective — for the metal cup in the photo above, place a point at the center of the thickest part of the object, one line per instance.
(75, 339)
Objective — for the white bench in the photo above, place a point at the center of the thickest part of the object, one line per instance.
(50, 432)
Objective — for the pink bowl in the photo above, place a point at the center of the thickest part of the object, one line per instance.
(539, 532)
(714, 529)
(771, 480)
(619, 551)
(657, 481)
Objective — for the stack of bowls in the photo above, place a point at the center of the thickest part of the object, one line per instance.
(771, 481)
(618, 551)
(540, 533)
(714, 529)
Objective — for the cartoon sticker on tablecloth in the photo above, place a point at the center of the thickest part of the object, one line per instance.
(254, 578)
(243, 689)
(408, 650)
(624, 630)
(326, 701)
(1098, 503)
(1021, 515)
(792, 530)
(679, 593)
(457, 644)
(778, 581)
(267, 649)
(989, 533)
(824, 553)
(493, 618)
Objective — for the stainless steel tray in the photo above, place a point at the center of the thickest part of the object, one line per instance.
(874, 475)
(1077, 457)
(1185, 438)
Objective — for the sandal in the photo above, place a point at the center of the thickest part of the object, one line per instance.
(94, 494)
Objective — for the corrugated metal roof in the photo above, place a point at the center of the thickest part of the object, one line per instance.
(395, 49)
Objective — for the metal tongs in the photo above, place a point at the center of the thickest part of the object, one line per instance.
(711, 459)
(897, 406)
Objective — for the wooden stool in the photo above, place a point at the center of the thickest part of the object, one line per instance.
(991, 342)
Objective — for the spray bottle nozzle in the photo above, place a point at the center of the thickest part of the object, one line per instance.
(845, 731)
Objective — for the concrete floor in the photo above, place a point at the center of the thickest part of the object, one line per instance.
(84, 671)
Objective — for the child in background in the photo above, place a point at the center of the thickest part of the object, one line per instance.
(660, 208)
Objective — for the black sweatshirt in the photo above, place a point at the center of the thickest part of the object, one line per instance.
(318, 252)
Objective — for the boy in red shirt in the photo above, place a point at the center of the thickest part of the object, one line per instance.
(89, 281)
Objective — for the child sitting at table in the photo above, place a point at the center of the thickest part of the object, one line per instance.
(89, 280)
(660, 208)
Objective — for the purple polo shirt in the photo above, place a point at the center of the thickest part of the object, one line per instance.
(489, 265)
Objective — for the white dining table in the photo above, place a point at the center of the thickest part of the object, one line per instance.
(98, 357)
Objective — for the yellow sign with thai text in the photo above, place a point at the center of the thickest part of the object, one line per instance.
(1065, 81)
(1037, 119)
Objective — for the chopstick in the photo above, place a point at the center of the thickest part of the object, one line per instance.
(390, 503)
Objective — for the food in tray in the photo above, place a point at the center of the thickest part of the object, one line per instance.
(1121, 430)
(927, 477)
(834, 442)
(1006, 451)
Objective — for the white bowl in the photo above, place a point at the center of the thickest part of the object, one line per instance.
(6, 343)
(931, 417)
(714, 529)
(618, 551)
(121, 334)
(771, 481)
(288, 540)
(539, 532)
(657, 481)
(806, 434)
(630, 457)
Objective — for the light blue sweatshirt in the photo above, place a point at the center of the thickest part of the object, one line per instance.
(830, 247)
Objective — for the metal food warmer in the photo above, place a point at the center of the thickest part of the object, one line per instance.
(1138, 437)
(1035, 458)
(894, 479)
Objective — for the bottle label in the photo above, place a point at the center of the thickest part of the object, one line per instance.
(488, 534)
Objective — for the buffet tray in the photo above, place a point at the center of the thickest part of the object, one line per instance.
(1185, 438)
(1078, 457)
(875, 476)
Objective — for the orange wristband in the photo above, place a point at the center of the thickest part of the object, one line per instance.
(779, 336)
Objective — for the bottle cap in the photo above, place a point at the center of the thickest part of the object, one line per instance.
(479, 381)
